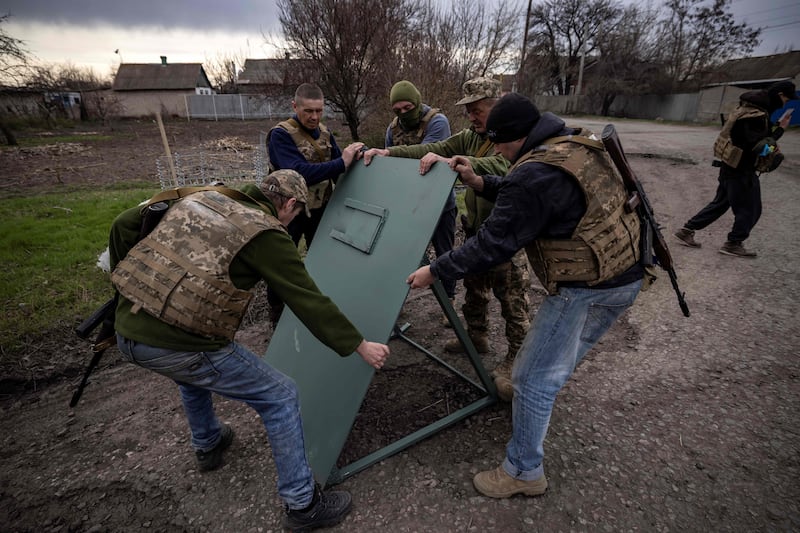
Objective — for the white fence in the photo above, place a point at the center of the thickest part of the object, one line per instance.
(241, 107)
(237, 106)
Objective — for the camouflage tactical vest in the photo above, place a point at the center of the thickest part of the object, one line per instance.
(605, 242)
(731, 155)
(179, 273)
(315, 151)
(401, 137)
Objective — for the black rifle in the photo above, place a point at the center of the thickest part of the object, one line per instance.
(653, 243)
(105, 314)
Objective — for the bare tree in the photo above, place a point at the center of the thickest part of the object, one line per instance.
(223, 68)
(697, 37)
(13, 63)
(628, 58)
(488, 39)
(427, 58)
(102, 104)
(559, 31)
(349, 42)
(55, 79)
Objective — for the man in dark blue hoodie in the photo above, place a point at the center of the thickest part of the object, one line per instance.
(564, 204)
(746, 137)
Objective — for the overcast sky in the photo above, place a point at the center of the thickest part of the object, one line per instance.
(88, 32)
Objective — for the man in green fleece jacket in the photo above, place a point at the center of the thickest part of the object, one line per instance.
(509, 282)
(183, 290)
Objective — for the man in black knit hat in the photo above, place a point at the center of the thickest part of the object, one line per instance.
(745, 147)
(564, 204)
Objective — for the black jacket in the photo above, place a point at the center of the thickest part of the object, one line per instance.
(535, 200)
(748, 132)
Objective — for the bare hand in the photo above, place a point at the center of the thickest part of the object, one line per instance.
(421, 278)
(467, 176)
(372, 152)
(374, 353)
(428, 161)
(350, 153)
(784, 122)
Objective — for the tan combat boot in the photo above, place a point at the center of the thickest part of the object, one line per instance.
(502, 379)
(498, 484)
(481, 343)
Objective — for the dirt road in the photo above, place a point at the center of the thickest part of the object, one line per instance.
(670, 424)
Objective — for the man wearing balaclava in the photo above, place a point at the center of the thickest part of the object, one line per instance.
(563, 203)
(745, 147)
(418, 123)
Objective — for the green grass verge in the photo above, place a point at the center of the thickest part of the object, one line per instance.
(49, 245)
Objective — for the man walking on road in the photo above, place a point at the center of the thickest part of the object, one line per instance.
(746, 146)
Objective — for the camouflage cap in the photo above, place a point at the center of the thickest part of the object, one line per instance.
(288, 183)
(480, 88)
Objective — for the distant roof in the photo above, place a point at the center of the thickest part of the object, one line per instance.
(758, 69)
(158, 76)
(283, 72)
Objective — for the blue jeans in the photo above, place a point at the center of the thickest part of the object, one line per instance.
(236, 373)
(566, 326)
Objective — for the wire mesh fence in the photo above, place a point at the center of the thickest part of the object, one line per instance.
(229, 161)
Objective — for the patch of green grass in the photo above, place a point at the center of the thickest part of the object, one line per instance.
(49, 245)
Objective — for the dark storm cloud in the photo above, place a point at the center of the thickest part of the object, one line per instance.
(194, 14)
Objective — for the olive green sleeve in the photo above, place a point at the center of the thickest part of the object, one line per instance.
(272, 256)
(449, 147)
(496, 165)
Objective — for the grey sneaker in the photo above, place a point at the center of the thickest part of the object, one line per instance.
(686, 238)
(326, 509)
(212, 459)
(736, 248)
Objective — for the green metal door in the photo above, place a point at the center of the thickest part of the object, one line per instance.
(374, 233)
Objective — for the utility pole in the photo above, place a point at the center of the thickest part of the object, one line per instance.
(583, 57)
(520, 75)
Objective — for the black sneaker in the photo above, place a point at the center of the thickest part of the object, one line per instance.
(212, 459)
(736, 248)
(325, 510)
(686, 237)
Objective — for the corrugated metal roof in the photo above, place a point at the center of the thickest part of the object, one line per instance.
(281, 72)
(752, 69)
(156, 76)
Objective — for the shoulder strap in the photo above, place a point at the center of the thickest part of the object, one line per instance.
(182, 192)
(580, 139)
(484, 148)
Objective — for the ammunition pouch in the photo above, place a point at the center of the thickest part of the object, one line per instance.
(768, 155)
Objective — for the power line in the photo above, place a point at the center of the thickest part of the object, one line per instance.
(780, 25)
